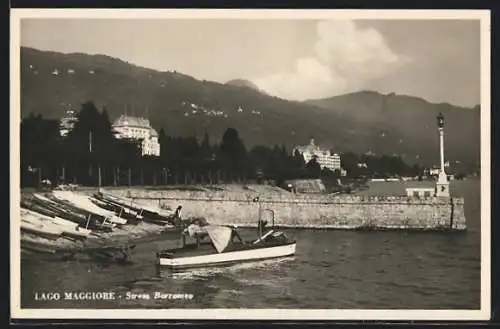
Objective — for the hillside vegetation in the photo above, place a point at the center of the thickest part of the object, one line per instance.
(184, 106)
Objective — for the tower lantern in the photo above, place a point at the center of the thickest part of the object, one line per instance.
(440, 120)
(442, 184)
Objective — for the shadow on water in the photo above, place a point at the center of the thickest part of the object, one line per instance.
(210, 286)
(206, 272)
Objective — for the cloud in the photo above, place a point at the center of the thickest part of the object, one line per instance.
(345, 58)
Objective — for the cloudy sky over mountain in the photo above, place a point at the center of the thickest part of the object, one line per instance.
(438, 60)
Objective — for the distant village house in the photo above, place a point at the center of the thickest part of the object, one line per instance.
(67, 122)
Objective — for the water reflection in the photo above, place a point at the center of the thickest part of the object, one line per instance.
(206, 272)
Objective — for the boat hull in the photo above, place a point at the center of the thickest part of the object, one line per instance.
(83, 203)
(145, 213)
(51, 235)
(73, 235)
(225, 258)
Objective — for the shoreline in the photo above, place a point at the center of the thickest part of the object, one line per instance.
(234, 204)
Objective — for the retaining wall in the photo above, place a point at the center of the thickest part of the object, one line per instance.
(310, 211)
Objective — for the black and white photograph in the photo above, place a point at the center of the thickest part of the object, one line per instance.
(250, 164)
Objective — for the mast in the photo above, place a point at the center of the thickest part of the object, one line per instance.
(259, 220)
(90, 153)
(90, 141)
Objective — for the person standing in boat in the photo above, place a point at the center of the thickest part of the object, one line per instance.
(176, 218)
(235, 234)
(261, 226)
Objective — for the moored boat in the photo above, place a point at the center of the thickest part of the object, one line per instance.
(225, 246)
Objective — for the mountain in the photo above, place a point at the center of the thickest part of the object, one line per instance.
(410, 120)
(244, 84)
(360, 122)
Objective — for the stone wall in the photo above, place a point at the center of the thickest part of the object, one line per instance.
(310, 211)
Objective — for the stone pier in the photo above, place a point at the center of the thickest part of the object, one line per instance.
(243, 208)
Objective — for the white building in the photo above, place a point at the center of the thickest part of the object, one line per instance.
(67, 122)
(138, 128)
(325, 158)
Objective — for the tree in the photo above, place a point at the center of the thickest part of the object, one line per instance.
(87, 132)
(313, 168)
(349, 161)
(205, 148)
(93, 146)
(41, 149)
(261, 162)
(298, 159)
(105, 131)
(232, 152)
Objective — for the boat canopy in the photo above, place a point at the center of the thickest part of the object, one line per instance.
(220, 236)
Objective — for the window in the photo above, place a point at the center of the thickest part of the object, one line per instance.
(427, 194)
(415, 194)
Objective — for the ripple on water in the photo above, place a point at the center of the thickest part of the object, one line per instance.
(332, 269)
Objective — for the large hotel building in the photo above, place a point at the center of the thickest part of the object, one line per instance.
(125, 127)
(325, 158)
(130, 127)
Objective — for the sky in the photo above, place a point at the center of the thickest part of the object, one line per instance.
(438, 60)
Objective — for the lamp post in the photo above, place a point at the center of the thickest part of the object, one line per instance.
(442, 184)
(440, 122)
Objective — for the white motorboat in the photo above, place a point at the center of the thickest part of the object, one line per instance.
(222, 249)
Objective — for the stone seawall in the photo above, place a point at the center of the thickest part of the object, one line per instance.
(310, 211)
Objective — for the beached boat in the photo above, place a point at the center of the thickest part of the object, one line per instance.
(43, 204)
(72, 231)
(31, 226)
(68, 208)
(69, 229)
(84, 203)
(222, 249)
(150, 214)
(132, 216)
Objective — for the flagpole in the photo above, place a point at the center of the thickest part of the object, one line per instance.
(90, 141)
(90, 153)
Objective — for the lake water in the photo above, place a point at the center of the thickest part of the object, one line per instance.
(332, 269)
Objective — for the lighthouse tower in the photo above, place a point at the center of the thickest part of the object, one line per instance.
(442, 184)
